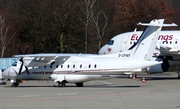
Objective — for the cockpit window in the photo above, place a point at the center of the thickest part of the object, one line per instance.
(14, 64)
(111, 42)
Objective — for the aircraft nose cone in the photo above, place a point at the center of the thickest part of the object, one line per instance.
(53, 77)
(102, 50)
(5, 73)
(9, 73)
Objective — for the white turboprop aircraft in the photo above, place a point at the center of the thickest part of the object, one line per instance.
(79, 68)
(167, 48)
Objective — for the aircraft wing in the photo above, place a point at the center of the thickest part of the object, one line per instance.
(33, 60)
(169, 50)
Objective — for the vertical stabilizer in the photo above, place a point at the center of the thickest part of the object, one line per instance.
(145, 46)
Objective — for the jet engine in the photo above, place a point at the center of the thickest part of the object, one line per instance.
(160, 68)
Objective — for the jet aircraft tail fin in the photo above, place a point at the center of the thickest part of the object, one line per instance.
(145, 46)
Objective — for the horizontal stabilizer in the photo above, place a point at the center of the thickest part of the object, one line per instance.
(154, 23)
(165, 47)
(169, 51)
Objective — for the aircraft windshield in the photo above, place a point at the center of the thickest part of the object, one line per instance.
(111, 42)
(14, 64)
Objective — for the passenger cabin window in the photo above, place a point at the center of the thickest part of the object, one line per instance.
(80, 66)
(73, 66)
(111, 42)
(170, 42)
(61, 66)
(89, 66)
(68, 66)
(175, 42)
(14, 64)
(95, 66)
(44, 66)
(57, 66)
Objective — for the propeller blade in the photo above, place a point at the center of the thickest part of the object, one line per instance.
(19, 50)
(27, 70)
(20, 68)
(26, 49)
(21, 60)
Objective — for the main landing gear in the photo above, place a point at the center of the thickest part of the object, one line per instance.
(132, 76)
(79, 84)
(61, 84)
(15, 83)
(178, 75)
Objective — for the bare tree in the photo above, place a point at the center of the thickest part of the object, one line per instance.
(5, 39)
(100, 27)
(88, 13)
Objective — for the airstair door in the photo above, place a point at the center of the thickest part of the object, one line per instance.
(176, 42)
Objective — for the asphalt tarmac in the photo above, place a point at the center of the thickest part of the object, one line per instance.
(156, 92)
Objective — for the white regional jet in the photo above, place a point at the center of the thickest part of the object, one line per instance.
(167, 48)
(79, 68)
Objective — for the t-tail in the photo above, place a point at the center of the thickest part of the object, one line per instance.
(145, 46)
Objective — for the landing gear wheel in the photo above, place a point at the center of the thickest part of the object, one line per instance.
(79, 84)
(15, 84)
(59, 84)
(63, 84)
(135, 75)
(130, 75)
(178, 75)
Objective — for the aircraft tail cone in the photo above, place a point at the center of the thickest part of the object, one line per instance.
(143, 80)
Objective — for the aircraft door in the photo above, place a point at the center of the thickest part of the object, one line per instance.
(176, 42)
(124, 43)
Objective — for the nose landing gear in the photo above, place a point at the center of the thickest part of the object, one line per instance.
(15, 83)
(61, 84)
